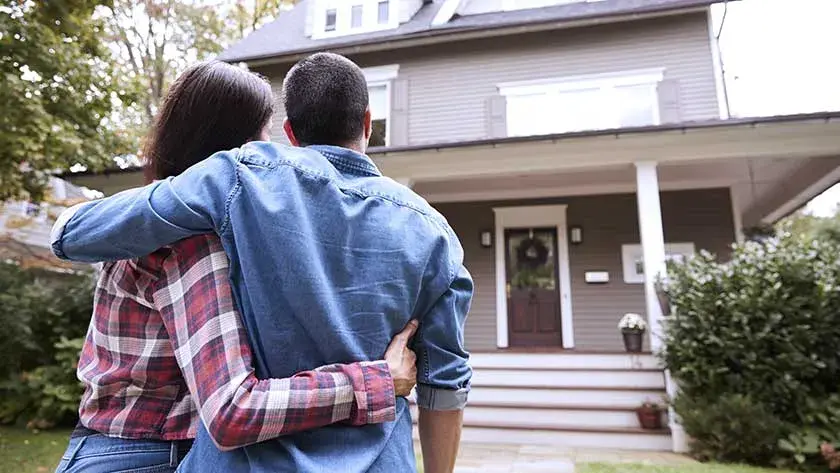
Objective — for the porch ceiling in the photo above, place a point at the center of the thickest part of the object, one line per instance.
(776, 137)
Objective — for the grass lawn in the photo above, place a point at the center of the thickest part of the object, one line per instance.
(22, 451)
(699, 468)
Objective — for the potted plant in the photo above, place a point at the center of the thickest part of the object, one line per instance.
(663, 296)
(650, 415)
(633, 328)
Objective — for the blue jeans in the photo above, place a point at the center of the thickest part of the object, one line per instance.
(102, 454)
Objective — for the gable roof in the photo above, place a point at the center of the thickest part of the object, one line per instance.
(286, 35)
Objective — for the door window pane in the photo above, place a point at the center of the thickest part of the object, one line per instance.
(531, 259)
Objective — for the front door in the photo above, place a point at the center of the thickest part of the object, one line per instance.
(533, 297)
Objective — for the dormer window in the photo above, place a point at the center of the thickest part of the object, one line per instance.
(356, 16)
(346, 17)
(383, 12)
(330, 20)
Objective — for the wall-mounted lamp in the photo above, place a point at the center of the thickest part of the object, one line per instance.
(486, 239)
(576, 234)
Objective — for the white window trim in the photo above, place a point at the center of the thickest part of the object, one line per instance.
(530, 217)
(631, 252)
(646, 77)
(383, 76)
(590, 81)
(343, 27)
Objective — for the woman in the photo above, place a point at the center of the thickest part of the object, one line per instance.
(166, 348)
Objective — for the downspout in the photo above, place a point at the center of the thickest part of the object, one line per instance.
(720, 59)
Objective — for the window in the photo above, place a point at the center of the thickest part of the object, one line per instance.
(579, 104)
(342, 17)
(379, 81)
(356, 16)
(331, 20)
(383, 12)
(379, 108)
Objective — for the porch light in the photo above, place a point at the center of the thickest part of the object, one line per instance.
(486, 239)
(576, 234)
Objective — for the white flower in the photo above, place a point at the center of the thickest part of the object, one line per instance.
(632, 322)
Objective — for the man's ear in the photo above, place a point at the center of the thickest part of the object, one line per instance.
(290, 134)
(368, 126)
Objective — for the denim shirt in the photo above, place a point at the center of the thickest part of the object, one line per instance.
(329, 260)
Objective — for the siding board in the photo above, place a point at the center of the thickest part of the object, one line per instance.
(449, 86)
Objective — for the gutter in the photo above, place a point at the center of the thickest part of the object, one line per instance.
(450, 34)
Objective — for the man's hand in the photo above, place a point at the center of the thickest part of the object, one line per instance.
(402, 362)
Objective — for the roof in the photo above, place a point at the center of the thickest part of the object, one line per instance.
(286, 35)
(829, 116)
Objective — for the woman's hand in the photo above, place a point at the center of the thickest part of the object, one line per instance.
(402, 362)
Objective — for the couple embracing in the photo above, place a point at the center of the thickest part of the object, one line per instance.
(251, 289)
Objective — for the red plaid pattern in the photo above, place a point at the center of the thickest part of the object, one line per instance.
(166, 337)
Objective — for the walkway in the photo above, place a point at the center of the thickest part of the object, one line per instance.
(500, 458)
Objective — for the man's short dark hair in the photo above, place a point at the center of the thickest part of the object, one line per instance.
(326, 96)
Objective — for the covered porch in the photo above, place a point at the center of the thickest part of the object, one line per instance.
(610, 207)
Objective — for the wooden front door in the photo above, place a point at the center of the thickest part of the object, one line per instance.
(533, 296)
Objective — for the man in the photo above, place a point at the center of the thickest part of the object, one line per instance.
(316, 233)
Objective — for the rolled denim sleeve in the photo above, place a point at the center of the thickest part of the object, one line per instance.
(136, 222)
(443, 379)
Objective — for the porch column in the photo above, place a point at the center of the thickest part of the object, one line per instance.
(653, 244)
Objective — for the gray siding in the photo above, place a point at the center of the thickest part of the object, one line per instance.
(703, 217)
(449, 87)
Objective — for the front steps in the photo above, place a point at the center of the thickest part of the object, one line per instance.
(569, 400)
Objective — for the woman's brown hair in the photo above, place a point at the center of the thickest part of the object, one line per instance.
(211, 107)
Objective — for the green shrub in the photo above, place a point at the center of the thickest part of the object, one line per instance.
(732, 428)
(44, 319)
(48, 395)
(764, 326)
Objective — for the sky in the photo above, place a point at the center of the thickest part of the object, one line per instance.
(783, 57)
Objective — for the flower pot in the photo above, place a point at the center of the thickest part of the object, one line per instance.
(664, 301)
(633, 340)
(650, 418)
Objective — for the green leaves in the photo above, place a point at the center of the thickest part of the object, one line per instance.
(764, 326)
(56, 93)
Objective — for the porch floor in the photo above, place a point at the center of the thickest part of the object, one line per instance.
(502, 458)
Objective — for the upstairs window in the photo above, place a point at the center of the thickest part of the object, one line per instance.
(383, 12)
(379, 80)
(344, 17)
(582, 103)
(330, 20)
(356, 16)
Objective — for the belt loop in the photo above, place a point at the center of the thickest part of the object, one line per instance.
(173, 454)
(76, 451)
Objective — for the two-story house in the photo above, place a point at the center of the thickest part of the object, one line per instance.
(574, 146)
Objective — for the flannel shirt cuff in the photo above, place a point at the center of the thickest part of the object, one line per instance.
(377, 403)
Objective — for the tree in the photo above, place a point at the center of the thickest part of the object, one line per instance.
(154, 40)
(57, 91)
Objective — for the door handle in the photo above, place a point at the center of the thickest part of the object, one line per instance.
(507, 289)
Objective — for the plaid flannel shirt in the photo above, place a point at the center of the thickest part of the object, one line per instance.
(166, 345)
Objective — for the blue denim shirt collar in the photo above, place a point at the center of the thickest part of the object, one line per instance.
(347, 160)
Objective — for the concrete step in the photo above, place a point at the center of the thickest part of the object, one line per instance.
(550, 418)
(616, 398)
(559, 378)
(566, 361)
(602, 439)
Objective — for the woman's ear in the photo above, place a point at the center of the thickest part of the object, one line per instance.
(290, 134)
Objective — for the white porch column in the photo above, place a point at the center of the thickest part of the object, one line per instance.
(653, 248)
(653, 244)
